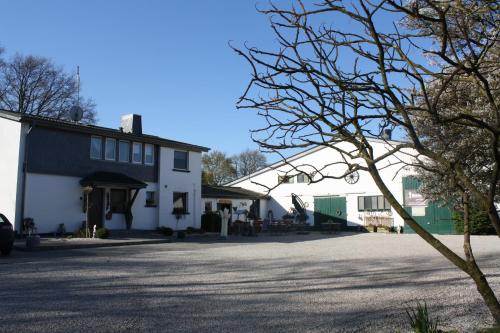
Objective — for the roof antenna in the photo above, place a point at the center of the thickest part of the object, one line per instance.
(76, 112)
(78, 85)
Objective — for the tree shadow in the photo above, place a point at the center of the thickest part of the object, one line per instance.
(123, 289)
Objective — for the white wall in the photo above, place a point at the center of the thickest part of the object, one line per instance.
(11, 163)
(175, 181)
(281, 201)
(51, 200)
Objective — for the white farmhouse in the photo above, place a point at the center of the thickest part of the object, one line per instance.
(354, 201)
(61, 173)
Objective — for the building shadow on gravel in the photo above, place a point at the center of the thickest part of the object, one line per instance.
(170, 293)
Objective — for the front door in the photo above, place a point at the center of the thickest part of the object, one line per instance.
(96, 208)
(330, 209)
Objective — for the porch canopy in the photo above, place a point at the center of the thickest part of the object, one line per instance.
(111, 179)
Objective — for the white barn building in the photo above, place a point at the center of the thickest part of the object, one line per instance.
(355, 201)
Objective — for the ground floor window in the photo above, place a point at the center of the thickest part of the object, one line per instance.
(285, 179)
(208, 206)
(118, 200)
(150, 199)
(181, 202)
(373, 202)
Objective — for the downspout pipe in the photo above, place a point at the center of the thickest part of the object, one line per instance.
(25, 172)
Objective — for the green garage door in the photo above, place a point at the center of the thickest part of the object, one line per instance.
(330, 209)
(436, 220)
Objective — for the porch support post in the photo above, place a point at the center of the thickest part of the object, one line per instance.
(128, 214)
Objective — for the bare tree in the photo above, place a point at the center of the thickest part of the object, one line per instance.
(341, 82)
(218, 169)
(249, 161)
(34, 85)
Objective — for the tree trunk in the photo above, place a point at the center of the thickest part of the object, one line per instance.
(467, 247)
(469, 267)
(473, 270)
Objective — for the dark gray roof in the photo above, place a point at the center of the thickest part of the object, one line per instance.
(111, 179)
(229, 192)
(98, 130)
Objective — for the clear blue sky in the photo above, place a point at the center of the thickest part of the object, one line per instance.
(167, 60)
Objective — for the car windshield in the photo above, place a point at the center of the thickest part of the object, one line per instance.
(2, 219)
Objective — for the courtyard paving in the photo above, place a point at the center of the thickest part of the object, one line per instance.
(294, 283)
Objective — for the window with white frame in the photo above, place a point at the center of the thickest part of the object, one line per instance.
(181, 159)
(302, 178)
(285, 179)
(96, 147)
(124, 151)
(373, 203)
(180, 202)
(137, 152)
(149, 154)
(150, 199)
(110, 154)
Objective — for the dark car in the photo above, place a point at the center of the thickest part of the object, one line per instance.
(6, 235)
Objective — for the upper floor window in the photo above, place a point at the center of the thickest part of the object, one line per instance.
(110, 149)
(137, 152)
(285, 180)
(373, 202)
(302, 178)
(124, 151)
(149, 154)
(181, 160)
(96, 147)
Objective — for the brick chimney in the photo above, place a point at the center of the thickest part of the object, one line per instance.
(132, 123)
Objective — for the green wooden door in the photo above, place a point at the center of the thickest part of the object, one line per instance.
(330, 209)
(437, 219)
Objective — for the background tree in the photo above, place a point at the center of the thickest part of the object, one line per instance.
(460, 145)
(34, 85)
(249, 161)
(218, 169)
(341, 75)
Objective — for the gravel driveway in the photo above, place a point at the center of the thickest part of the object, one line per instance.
(306, 283)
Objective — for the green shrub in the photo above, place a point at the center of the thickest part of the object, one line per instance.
(165, 231)
(102, 233)
(420, 321)
(479, 222)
